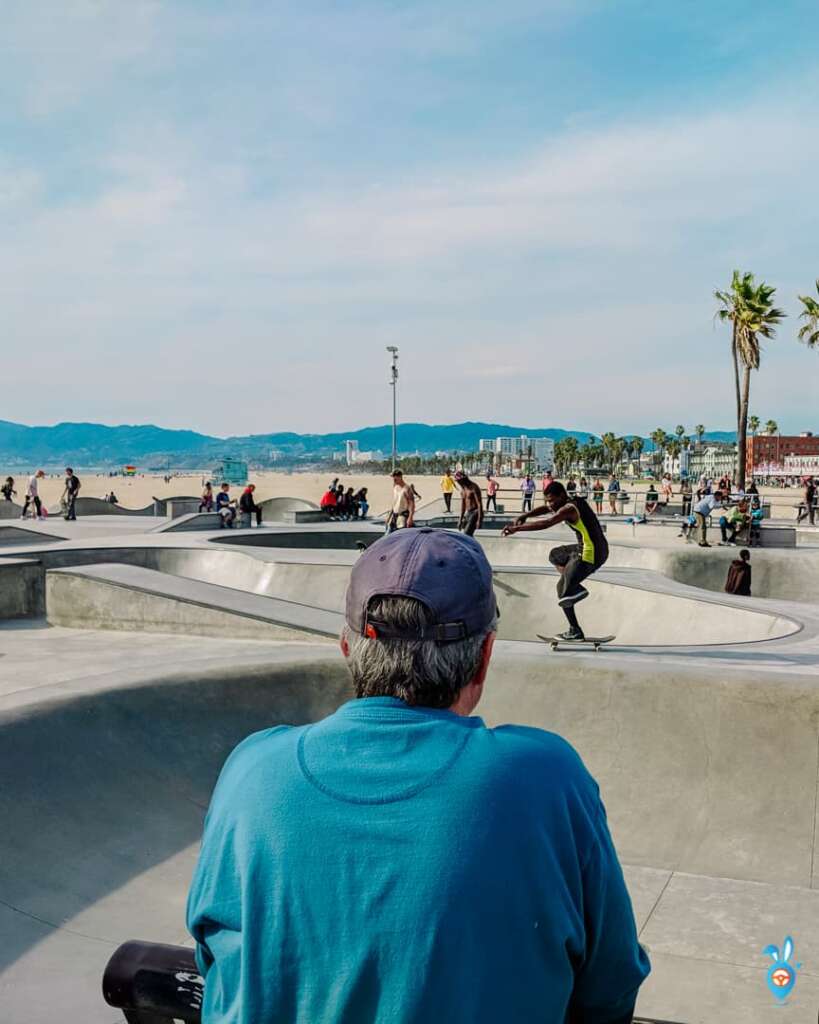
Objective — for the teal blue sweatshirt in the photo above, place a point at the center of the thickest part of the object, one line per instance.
(398, 864)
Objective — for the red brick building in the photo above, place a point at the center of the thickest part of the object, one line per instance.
(770, 449)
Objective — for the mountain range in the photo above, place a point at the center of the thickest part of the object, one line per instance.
(94, 445)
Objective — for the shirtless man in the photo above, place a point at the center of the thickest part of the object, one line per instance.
(403, 503)
(471, 504)
(574, 562)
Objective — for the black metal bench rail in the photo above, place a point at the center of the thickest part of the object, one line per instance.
(157, 984)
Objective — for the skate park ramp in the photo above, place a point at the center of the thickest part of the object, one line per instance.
(274, 509)
(114, 762)
(636, 606)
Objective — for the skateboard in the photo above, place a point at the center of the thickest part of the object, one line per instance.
(590, 641)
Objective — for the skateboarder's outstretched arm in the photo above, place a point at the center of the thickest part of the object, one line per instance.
(564, 515)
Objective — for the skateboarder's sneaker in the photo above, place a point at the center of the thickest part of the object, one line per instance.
(704, 544)
(572, 634)
(577, 595)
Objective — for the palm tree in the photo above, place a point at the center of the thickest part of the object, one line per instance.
(699, 430)
(809, 331)
(571, 448)
(674, 447)
(636, 448)
(659, 439)
(749, 308)
(753, 425)
(680, 432)
(771, 427)
(607, 441)
(618, 450)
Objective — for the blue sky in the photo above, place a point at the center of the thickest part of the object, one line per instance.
(218, 215)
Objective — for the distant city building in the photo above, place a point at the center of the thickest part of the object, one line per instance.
(541, 450)
(801, 465)
(274, 455)
(352, 454)
(765, 454)
(714, 461)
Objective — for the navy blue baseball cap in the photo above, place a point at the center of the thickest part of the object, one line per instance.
(447, 572)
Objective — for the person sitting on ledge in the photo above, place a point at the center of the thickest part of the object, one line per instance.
(399, 861)
(225, 506)
(247, 504)
(652, 499)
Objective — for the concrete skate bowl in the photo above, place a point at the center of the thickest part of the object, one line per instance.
(112, 777)
(783, 575)
(274, 509)
(102, 824)
(778, 574)
(526, 599)
(636, 606)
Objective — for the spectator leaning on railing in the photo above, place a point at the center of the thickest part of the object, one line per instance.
(399, 861)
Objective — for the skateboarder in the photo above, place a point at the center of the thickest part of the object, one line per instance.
(471, 504)
(574, 562)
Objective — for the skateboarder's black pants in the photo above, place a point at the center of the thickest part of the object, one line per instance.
(448, 500)
(575, 571)
(471, 522)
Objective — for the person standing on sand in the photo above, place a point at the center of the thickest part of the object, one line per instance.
(447, 489)
(492, 487)
(402, 513)
(471, 504)
(527, 487)
(72, 489)
(597, 493)
(7, 490)
(614, 490)
(574, 562)
(33, 495)
(686, 495)
(547, 479)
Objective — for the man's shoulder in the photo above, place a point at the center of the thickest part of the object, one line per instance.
(266, 747)
(539, 749)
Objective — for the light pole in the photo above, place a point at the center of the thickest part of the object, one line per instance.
(393, 349)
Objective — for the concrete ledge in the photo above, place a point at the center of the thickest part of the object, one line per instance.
(20, 535)
(22, 590)
(190, 522)
(305, 516)
(128, 597)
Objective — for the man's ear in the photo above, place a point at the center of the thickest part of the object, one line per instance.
(343, 643)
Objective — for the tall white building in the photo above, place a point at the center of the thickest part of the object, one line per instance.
(542, 449)
(351, 452)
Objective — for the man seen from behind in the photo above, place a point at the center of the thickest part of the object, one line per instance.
(399, 861)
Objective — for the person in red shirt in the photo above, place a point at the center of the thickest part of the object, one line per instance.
(329, 502)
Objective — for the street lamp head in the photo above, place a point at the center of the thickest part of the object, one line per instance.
(392, 348)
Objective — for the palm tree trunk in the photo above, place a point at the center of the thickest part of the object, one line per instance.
(735, 357)
(742, 426)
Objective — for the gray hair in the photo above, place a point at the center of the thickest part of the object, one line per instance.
(421, 672)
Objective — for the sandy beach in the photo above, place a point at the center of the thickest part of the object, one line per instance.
(138, 491)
